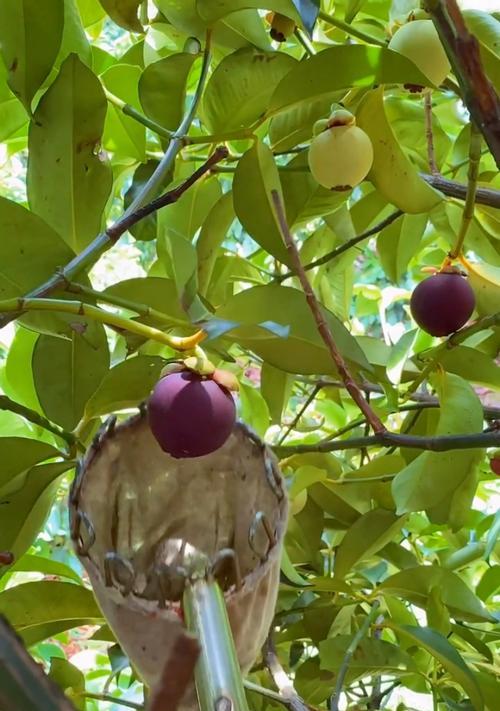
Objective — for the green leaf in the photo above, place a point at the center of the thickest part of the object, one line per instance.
(30, 35)
(472, 365)
(42, 609)
(125, 386)
(70, 679)
(66, 130)
(254, 411)
(19, 454)
(123, 136)
(74, 39)
(489, 583)
(47, 566)
(184, 218)
(493, 535)
(275, 387)
(68, 372)
(355, 66)
(158, 293)
(439, 647)
(211, 11)
(124, 13)
(12, 113)
(392, 173)
(145, 229)
(256, 176)
(241, 86)
(303, 351)
(288, 570)
(398, 242)
(162, 89)
(371, 655)
(19, 383)
(214, 229)
(415, 584)
(366, 536)
(486, 28)
(25, 503)
(414, 488)
(290, 128)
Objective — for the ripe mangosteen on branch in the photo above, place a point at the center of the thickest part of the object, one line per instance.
(191, 414)
(443, 303)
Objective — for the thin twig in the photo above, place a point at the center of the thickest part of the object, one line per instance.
(442, 443)
(472, 175)
(112, 700)
(102, 242)
(345, 246)
(360, 634)
(305, 42)
(281, 679)
(463, 52)
(323, 328)
(33, 416)
(299, 414)
(176, 675)
(350, 30)
(431, 155)
(133, 113)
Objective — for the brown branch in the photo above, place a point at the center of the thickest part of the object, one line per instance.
(281, 679)
(345, 246)
(176, 675)
(108, 238)
(484, 196)
(444, 443)
(299, 413)
(323, 328)
(464, 55)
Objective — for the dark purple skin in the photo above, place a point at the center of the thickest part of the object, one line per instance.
(443, 303)
(190, 415)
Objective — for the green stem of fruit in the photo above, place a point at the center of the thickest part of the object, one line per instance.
(140, 309)
(470, 199)
(33, 416)
(305, 42)
(322, 326)
(350, 30)
(79, 308)
(267, 693)
(238, 135)
(111, 700)
(353, 645)
(129, 110)
(429, 134)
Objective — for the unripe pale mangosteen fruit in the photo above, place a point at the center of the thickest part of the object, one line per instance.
(443, 303)
(341, 154)
(419, 41)
(190, 415)
(282, 26)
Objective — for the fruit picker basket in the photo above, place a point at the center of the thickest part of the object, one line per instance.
(141, 519)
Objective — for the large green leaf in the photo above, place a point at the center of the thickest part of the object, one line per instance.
(211, 11)
(124, 13)
(372, 655)
(25, 504)
(30, 35)
(70, 679)
(162, 88)
(12, 113)
(123, 136)
(398, 242)
(18, 383)
(18, 454)
(256, 176)
(42, 609)
(415, 585)
(392, 173)
(290, 128)
(213, 232)
(240, 88)
(160, 294)
(354, 66)
(486, 28)
(437, 645)
(303, 351)
(471, 364)
(64, 135)
(253, 408)
(125, 386)
(366, 536)
(68, 371)
(433, 477)
(47, 566)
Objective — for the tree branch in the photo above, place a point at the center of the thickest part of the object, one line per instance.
(353, 645)
(484, 196)
(442, 443)
(103, 242)
(470, 199)
(323, 328)
(463, 53)
(281, 679)
(33, 416)
(431, 154)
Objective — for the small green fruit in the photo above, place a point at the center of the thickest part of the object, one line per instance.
(419, 41)
(340, 157)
